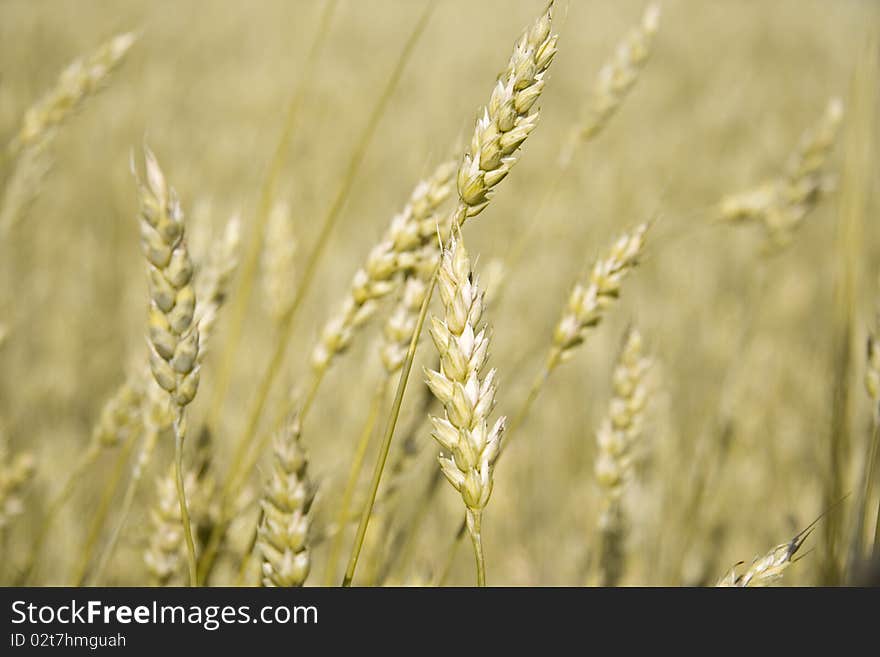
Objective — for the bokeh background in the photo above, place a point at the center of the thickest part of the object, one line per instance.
(738, 338)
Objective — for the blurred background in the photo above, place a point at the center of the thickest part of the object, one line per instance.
(750, 350)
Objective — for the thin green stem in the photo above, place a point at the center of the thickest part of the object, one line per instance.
(101, 513)
(554, 358)
(127, 503)
(350, 486)
(474, 520)
(389, 433)
(181, 499)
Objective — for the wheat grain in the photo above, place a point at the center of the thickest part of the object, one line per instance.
(31, 167)
(120, 417)
(283, 535)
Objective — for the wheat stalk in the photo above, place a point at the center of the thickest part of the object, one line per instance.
(283, 535)
(507, 120)
(767, 569)
(81, 79)
(408, 244)
(118, 420)
(156, 417)
(166, 550)
(469, 445)
(782, 204)
(614, 82)
(30, 146)
(501, 128)
(173, 332)
(268, 200)
(617, 440)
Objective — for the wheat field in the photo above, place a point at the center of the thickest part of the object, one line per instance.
(641, 355)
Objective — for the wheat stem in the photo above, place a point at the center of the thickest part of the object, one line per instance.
(101, 514)
(350, 485)
(474, 522)
(389, 434)
(181, 500)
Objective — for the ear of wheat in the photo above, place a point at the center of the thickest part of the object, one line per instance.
(283, 535)
(470, 446)
(507, 121)
(82, 78)
(590, 299)
(615, 81)
(406, 245)
(173, 333)
(213, 281)
(767, 569)
(121, 417)
(30, 146)
(616, 439)
(165, 555)
(781, 205)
